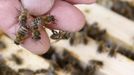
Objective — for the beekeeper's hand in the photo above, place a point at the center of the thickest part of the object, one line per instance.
(68, 18)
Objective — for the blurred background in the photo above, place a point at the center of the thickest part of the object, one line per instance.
(105, 46)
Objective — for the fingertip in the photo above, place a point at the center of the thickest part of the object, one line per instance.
(81, 1)
(38, 7)
(68, 17)
(37, 47)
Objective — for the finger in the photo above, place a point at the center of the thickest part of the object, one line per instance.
(9, 24)
(38, 7)
(37, 47)
(81, 1)
(8, 13)
(68, 17)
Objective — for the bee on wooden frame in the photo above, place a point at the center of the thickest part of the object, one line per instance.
(2, 45)
(25, 72)
(17, 59)
(113, 51)
(51, 71)
(104, 47)
(93, 66)
(95, 32)
(97, 63)
(40, 71)
(78, 38)
(123, 8)
(108, 46)
(126, 52)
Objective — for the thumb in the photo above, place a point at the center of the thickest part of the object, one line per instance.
(37, 7)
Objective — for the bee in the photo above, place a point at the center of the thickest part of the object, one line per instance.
(22, 32)
(126, 52)
(5, 69)
(49, 54)
(90, 70)
(17, 59)
(49, 19)
(104, 46)
(21, 35)
(2, 45)
(25, 72)
(40, 71)
(113, 51)
(101, 47)
(51, 71)
(35, 28)
(60, 35)
(78, 38)
(95, 33)
(123, 8)
(93, 67)
(96, 63)
(110, 47)
(22, 18)
(70, 58)
(72, 40)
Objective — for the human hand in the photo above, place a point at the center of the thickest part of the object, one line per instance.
(68, 17)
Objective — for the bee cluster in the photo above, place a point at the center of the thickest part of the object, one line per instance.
(123, 8)
(64, 61)
(88, 32)
(105, 43)
(4, 69)
(34, 27)
(69, 63)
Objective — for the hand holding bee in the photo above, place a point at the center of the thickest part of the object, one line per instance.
(68, 18)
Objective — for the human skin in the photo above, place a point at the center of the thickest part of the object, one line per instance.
(68, 18)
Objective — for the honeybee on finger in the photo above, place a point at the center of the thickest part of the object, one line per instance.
(23, 31)
(22, 18)
(21, 35)
(35, 28)
(49, 19)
